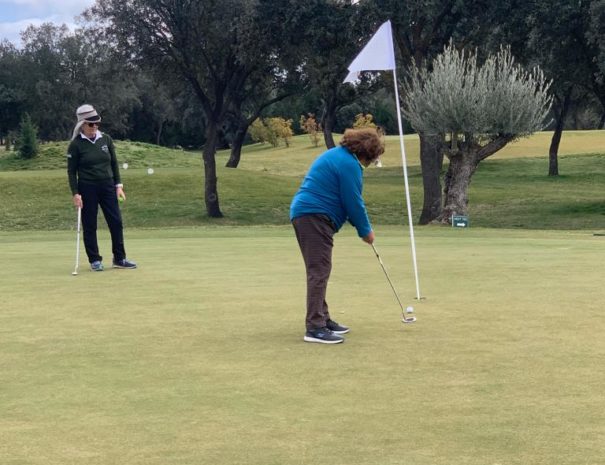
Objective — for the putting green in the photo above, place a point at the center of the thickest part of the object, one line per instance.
(197, 356)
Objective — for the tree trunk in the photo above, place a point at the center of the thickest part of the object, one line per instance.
(462, 167)
(328, 120)
(236, 146)
(328, 136)
(553, 151)
(431, 162)
(159, 134)
(602, 122)
(210, 180)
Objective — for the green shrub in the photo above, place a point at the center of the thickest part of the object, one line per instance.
(364, 121)
(258, 131)
(279, 128)
(271, 130)
(311, 127)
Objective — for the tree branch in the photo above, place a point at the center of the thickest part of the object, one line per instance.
(494, 145)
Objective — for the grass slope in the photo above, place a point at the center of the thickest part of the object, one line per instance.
(295, 160)
(197, 357)
(510, 191)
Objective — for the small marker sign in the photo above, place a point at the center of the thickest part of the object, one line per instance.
(460, 221)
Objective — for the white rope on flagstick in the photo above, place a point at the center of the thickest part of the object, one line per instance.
(407, 187)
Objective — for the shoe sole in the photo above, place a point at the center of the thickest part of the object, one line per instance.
(321, 341)
(342, 332)
(124, 267)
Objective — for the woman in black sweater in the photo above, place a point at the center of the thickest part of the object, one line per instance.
(94, 180)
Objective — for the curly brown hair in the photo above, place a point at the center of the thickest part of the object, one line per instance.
(366, 143)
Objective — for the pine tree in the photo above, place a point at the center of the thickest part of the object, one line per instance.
(28, 138)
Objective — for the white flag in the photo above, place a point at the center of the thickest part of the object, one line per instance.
(377, 55)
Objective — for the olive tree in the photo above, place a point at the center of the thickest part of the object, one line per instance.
(475, 110)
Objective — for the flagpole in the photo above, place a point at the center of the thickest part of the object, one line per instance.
(407, 187)
(379, 55)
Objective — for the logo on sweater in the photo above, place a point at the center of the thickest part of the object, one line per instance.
(68, 155)
(105, 148)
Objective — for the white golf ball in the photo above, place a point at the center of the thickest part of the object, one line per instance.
(149, 170)
(409, 310)
(125, 166)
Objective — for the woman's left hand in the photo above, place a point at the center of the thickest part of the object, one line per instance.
(120, 194)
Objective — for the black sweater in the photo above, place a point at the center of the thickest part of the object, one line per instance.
(93, 163)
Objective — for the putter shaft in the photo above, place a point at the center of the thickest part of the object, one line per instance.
(403, 317)
(79, 228)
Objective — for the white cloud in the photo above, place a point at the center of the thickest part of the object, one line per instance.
(63, 6)
(12, 30)
(17, 15)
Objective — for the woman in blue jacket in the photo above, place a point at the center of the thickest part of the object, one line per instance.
(330, 195)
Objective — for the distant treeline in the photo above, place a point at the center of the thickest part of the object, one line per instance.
(301, 61)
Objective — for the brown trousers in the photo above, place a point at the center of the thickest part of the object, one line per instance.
(315, 237)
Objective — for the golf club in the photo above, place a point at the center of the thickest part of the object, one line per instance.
(78, 242)
(404, 319)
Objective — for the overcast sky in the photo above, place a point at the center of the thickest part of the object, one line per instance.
(16, 15)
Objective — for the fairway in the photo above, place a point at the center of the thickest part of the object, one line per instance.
(197, 357)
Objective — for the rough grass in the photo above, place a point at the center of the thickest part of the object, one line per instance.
(136, 154)
(509, 193)
(294, 160)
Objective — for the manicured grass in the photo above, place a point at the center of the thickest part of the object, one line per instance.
(197, 357)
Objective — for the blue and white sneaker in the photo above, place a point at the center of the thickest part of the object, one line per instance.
(96, 266)
(124, 263)
(323, 336)
(337, 328)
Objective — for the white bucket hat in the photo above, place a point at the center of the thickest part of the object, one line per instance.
(85, 114)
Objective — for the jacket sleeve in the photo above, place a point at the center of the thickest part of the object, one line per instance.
(73, 160)
(114, 162)
(351, 187)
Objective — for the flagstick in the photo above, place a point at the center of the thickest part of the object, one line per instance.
(407, 187)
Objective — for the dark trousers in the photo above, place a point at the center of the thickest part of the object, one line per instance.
(104, 195)
(315, 235)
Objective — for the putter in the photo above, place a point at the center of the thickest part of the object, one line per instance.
(78, 242)
(404, 319)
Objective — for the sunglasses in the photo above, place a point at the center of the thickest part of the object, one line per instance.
(92, 125)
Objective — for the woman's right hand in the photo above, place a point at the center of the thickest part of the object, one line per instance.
(369, 238)
(77, 199)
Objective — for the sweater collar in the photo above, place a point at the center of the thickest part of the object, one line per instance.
(97, 137)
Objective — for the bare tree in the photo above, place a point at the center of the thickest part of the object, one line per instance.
(215, 46)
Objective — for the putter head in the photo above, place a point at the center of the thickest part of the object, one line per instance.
(74, 273)
(409, 319)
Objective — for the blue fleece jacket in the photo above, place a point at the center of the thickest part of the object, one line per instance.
(333, 187)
